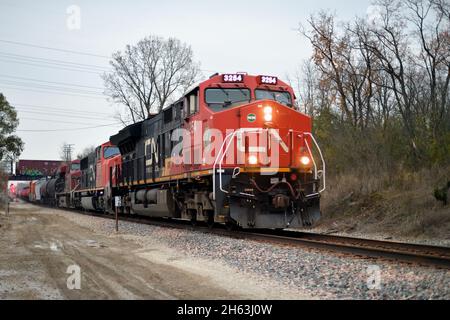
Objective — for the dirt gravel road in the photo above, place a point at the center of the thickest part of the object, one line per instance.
(37, 249)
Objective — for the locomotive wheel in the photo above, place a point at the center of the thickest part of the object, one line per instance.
(210, 222)
(230, 225)
(193, 218)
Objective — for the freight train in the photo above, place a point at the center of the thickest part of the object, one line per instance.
(233, 150)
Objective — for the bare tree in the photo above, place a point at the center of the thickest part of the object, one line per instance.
(433, 34)
(388, 41)
(86, 151)
(346, 64)
(307, 87)
(147, 75)
(327, 47)
(388, 77)
(313, 94)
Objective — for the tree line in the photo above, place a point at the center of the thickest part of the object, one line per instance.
(146, 77)
(378, 87)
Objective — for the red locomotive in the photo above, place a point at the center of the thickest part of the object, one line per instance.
(98, 178)
(68, 181)
(233, 150)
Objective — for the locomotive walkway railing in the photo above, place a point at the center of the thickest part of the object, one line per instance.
(316, 171)
(228, 141)
(219, 159)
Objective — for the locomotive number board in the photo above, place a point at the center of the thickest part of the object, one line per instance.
(267, 80)
(233, 78)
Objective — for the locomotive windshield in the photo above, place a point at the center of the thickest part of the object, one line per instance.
(110, 152)
(282, 97)
(75, 166)
(219, 99)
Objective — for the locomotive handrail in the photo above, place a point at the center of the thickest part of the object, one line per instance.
(314, 162)
(222, 154)
(229, 139)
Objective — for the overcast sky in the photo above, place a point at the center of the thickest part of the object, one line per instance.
(55, 90)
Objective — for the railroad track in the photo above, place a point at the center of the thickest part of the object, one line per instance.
(398, 251)
(366, 248)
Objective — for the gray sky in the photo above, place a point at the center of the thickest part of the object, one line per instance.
(258, 37)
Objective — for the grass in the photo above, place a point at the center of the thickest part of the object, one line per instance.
(399, 203)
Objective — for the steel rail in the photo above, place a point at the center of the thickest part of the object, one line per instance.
(422, 254)
(437, 256)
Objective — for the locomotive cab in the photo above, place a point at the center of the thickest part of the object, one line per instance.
(98, 178)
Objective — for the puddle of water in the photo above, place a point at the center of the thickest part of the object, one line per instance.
(53, 245)
(94, 244)
(40, 246)
(6, 273)
(85, 243)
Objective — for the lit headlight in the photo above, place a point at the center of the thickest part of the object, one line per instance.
(305, 160)
(252, 159)
(268, 114)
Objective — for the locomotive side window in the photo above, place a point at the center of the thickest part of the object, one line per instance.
(282, 97)
(178, 109)
(162, 148)
(191, 103)
(109, 152)
(167, 145)
(219, 99)
(168, 115)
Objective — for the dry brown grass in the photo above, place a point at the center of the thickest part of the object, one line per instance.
(399, 203)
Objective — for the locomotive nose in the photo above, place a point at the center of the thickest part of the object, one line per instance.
(271, 114)
(262, 114)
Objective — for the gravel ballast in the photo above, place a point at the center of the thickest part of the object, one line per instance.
(308, 272)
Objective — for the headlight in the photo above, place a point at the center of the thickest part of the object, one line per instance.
(252, 159)
(268, 114)
(305, 160)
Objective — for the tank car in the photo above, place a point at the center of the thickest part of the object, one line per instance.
(47, 192)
